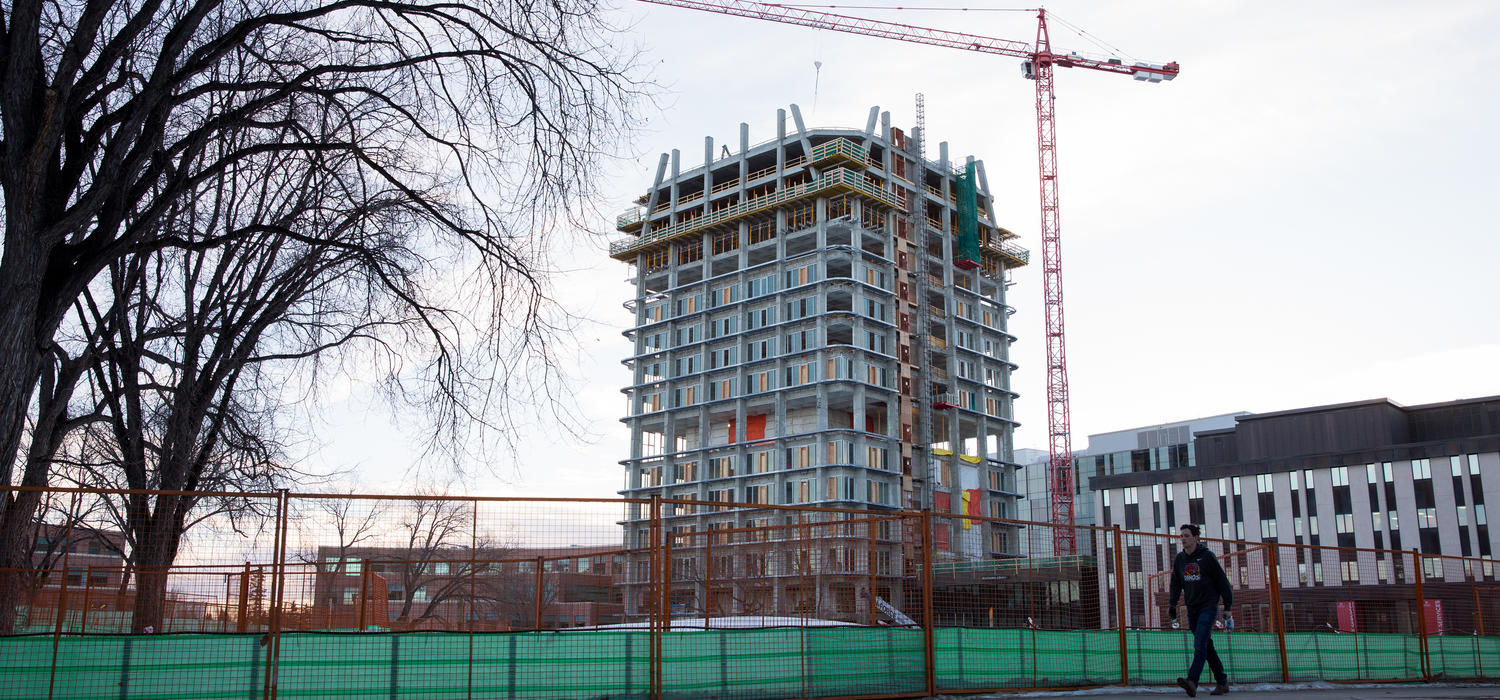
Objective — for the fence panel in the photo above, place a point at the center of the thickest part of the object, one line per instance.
(116, 606)
(786, 602)
(1350, 614)
(1460, 609)
(327, 595)
(1027, 620)
(1247, 641)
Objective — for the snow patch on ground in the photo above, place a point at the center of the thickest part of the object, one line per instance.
(698, 624)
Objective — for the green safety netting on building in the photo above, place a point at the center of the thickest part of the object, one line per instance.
(967, 184)
(739, 663)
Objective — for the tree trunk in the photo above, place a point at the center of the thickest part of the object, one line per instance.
(21, 268)
(158, 549)
(17, 537)
(20, 368)
(150, 599)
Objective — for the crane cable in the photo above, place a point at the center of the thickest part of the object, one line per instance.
(1109, 48)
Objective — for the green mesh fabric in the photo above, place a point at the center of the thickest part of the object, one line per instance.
(773, 663)
(968, 216)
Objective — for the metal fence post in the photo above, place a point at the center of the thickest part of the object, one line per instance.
(473, 591)
(243, 624)
(652, 596)
(1120, 606)
(928, 660)
(62, 594)
(870, 568)
(708, 578)
(1478, 609)
(540, 582)
(1416, 560)
(88, 577)
(278, 586)
(1277, 618)
(364, 597)
(666, 583)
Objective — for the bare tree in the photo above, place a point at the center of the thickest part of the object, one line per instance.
(353, 521)
(188, 379)
(482, 119)
(436, 535)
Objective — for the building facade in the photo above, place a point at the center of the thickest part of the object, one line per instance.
(1364, 475)
(463, 588)
(1149, 448)
(819, 319)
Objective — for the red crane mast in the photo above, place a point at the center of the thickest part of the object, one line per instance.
(1039, 64)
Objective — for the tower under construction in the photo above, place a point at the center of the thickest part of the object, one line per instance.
(819, 320)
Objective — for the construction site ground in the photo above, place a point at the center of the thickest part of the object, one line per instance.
(1277, 691)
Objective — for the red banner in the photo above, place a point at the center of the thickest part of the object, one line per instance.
(1433, 611)
(1348, 618)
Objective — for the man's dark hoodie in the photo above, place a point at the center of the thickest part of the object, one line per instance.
(1200, 575)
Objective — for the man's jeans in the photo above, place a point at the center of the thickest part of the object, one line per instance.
(1202, 621)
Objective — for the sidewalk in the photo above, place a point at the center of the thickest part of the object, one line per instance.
(1278, 691)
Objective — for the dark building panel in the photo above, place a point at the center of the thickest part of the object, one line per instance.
(1319, 430)
(1341, 434)
(1216, 447)
(1458, 419)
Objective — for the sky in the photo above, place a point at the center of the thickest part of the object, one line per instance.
(1305, 216)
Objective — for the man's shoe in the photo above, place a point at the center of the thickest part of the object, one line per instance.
(1190, 686)
(1220, 689)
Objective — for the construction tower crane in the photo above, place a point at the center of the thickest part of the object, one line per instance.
(1038, 63)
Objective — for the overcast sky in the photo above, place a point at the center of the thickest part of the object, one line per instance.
(1307, 215)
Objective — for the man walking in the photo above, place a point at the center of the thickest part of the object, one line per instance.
(1197, 572)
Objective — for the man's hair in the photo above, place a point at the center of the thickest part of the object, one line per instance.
(1190, 528)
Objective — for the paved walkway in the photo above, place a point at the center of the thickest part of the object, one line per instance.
(1280, 691)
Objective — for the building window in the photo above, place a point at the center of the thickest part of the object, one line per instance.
(762, 381)
(801, 308)
(799, 491)
(760, 349)
(797, 375)
(1349, 571)
(760, 286)
(1432, 567)
(651, 477)
(760, 318)
(723, 357)
(801, 275)
(839, 367)
(723, 326)
(1421, 469)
